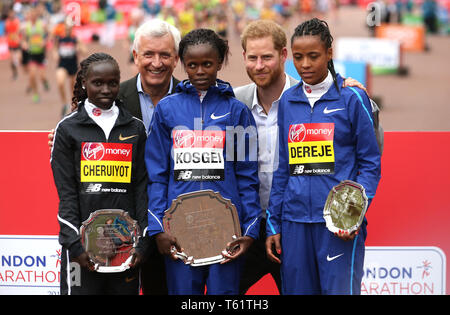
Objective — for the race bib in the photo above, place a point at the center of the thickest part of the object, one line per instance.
(311, 149)
(67, 50)
(198, 155)
(106, 162)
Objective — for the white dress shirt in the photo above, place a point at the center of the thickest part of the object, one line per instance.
(267, 145)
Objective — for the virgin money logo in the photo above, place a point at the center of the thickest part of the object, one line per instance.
(297, 133)
(184, 138)
(93, 151)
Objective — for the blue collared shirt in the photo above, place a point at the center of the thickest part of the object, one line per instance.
(147, 106)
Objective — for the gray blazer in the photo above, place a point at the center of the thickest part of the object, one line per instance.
(245, 93)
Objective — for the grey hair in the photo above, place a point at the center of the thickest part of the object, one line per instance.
(156, 28)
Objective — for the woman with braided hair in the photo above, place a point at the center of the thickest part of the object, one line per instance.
(326, 135)
(98, 163)
(203, 105)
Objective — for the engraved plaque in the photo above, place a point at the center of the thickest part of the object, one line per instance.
(203, 223)
(345, 207)
(109, 237)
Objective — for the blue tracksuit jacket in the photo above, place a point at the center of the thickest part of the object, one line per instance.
(176, 161)
(332, 142)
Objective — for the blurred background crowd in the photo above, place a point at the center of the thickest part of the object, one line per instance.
(45, 26)
(221, 14)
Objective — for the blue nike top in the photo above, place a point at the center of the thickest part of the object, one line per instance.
(319, 147)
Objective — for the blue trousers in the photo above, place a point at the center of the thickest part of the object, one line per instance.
(219, 279)
(315, 261)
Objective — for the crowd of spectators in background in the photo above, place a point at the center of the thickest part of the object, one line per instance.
(223, 16)
(219, 14)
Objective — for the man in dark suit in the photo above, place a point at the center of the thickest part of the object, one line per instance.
(155, 52)
(130, 95)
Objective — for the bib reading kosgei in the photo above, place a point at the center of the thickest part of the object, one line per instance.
(311, 150)
(198, 155)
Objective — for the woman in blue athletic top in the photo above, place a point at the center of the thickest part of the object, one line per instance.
(197, 121)
(326, 135)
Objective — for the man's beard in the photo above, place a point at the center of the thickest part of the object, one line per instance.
(273, 76)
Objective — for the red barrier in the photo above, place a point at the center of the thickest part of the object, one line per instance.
(28, 198)
(409, 209)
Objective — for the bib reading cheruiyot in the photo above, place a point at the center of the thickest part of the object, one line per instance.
(311, 149)
(198, 155)
(106, 162)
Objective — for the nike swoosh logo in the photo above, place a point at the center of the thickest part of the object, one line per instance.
(328, 111)
(121, 138)
(334, 257)
(218, 117)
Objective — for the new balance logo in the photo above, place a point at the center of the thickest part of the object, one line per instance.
(184, 175)
(93, 188)
(298, 169)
